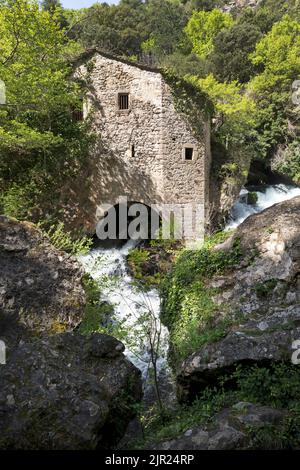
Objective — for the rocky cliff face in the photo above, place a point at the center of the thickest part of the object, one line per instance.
(57, 391)
(239, 5)
(40, 286)
(263, 292)
(67, 392)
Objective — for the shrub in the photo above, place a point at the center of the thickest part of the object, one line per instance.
(187, 304)
(62, 240)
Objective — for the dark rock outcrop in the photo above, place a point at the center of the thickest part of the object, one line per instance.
(228, 431)
(40, 286)
(67, 392)
(57, 391)
(260, 297)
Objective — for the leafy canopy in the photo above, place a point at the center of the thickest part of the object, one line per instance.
(203, 27)
(279, 53)
(37, 135)
(235, 109)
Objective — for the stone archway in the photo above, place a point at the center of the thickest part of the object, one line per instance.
(127, 220)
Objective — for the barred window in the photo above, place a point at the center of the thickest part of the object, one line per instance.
(123, 101)
(77, 115)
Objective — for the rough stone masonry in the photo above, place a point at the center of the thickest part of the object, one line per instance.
(147, 150)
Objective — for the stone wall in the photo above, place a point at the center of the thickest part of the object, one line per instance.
(140, 151)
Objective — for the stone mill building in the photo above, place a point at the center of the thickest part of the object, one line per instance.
(147, 150)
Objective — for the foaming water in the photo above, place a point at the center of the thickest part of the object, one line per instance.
(136, 311)
(267, 198)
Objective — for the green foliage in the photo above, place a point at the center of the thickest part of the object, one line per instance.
(188, 308)
(277, 386)
(252, 198)
(181, 64)
(97, 313)
(217, 238)
(234, 108)
(55, 7)
(179, 418)
(138, 256)
(40, 145)
(230, 57)
(133, 26)
(20, 201)
(285, 436)
(278, 54)
(290, 164)
(229, 169)
(62, 240)
(203, 27)
(136, 259)
(50, 5)
(164, 20)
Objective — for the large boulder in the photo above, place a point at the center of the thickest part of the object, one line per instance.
(229, 429)
(67, 392)
(260, 297)
(40, 287)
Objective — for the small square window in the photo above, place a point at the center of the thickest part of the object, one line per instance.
(123, 101)
(188, 153)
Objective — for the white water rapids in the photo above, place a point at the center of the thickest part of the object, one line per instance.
(267, 198)
(133, 307)
(136, 310)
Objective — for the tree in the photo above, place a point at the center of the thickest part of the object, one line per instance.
(117, 28)
(51, 5)
(165, 20)
(203, 27)
(235, 110)
(39, 142)
(278, 55)
(55, 6)
(230, 57)
(206, 5)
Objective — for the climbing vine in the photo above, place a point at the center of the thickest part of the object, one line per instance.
(190, 101)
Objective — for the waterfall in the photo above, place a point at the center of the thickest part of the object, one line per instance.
(132, 304)
(135, 309)
(266, 197)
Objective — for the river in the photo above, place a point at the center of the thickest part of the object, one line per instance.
(136, 311)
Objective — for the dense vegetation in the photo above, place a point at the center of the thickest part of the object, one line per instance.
(246, 61)
(41, 146)
(188, 308)
(277, 386)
